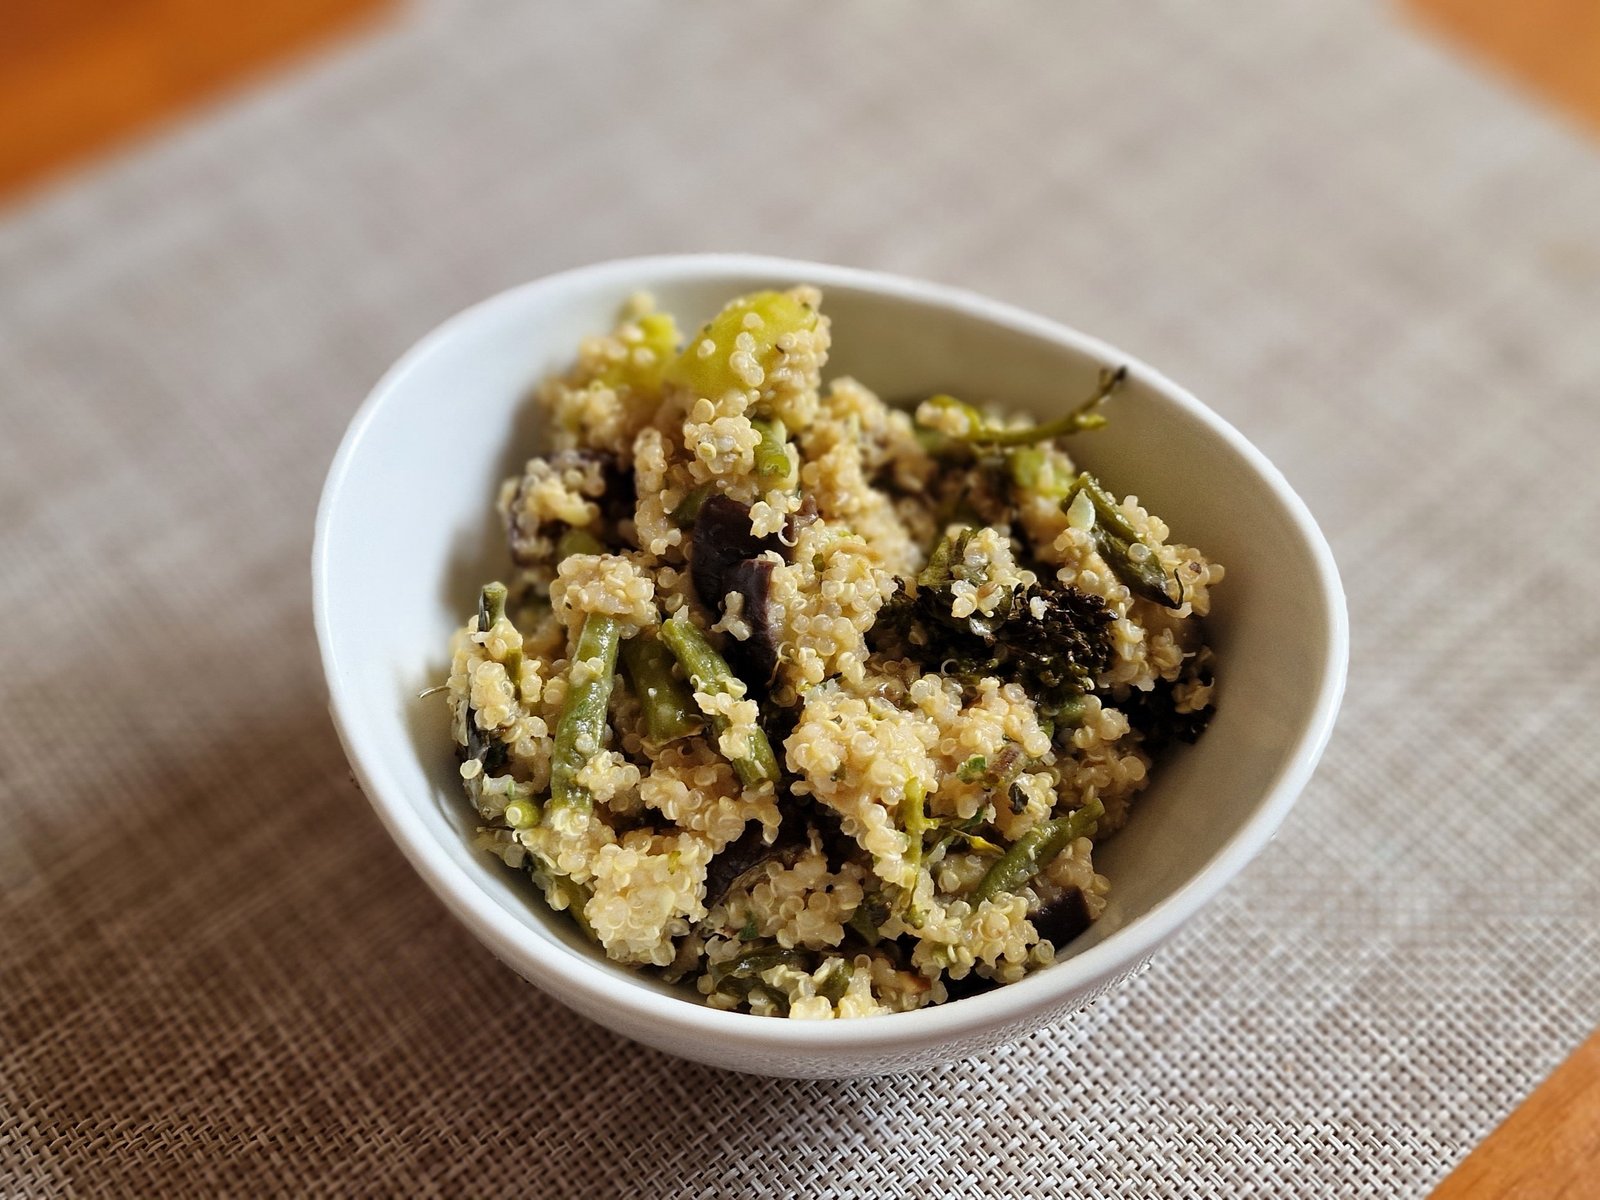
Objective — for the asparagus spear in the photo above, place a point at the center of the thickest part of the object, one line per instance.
(581, 728)
(772, 452)
(1083, 417)
(1034, 851)
(711, 675)
(1131, 559)
(668, 706)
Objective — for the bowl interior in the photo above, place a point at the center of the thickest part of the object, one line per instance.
(409, 535)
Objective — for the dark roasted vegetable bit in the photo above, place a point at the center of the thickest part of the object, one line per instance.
(751, 850)
(688, 510)
(1155, 716)
(744, 970)
(722, 538)
(490, 754)
(869, 917)
(1063, 919)
(756, 657)
(1055, 648)
(970, 984)
(612, 489)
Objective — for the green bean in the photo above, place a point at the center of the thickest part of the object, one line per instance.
(522, 814)
(582, 726)
(914, 819)
(711, 675)
(489, 754)
(868, 917)
(577, 896)
(667, 704)
(772, 452)
(834, 980)
(1079, 419)
(491, 609)
(1131, 559)
(688, 510)
(1035, 850)
(747, 967)
(1063, 712)
(578, 541)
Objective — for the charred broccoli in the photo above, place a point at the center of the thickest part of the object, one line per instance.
(1052, 639)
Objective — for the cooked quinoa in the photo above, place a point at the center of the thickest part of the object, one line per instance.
(815, 703)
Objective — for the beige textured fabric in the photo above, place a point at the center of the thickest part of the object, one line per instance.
(216, 975)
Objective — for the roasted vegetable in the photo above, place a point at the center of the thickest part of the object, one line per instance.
(489, 754)
(722, 538)
(751, 850)
(581, 730)
(711, 675)
(773, 465)
(1052, 639)
(704, 368)
(755, 657)
(1062, 919)
(1154, 714)
(979, 432)
(642, 374)
(1035, 850)
(577, 541)
(1131, 559)
(607, 481)
(914, 820)
(665, 702)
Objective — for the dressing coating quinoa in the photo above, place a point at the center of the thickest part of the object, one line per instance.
(818, 704)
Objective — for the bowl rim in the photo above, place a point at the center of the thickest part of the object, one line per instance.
(583, 980)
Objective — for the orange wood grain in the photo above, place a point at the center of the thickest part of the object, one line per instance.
(80, 75)
(1548, 1149)
(1551, 47)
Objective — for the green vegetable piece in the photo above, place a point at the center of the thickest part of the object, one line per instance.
(914, 820)
(834, 980)
(772, 452)
(661, 339)
(708, 372)
(711, 675)
(746, 968)
(668, 705)
(489, 754)
(1065, 712)
(581, 729)
(1033, 469)
(688, 510)
(522, 814)
(1131, 559)
(578, 541)
(869, 916)
(1035, 850)
(491, 608)
(1083, 417)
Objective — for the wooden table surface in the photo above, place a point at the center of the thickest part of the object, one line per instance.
(81, 76)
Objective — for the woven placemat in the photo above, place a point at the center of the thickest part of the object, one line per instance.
(217, 977)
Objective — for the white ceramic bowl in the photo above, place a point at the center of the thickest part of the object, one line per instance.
(406, 534)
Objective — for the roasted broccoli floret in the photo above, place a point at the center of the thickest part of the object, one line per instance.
(1052, 639)
(1155, 713)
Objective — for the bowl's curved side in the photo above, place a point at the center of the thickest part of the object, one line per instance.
(449, 411)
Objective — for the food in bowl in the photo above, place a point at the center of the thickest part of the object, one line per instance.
(815, 702)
